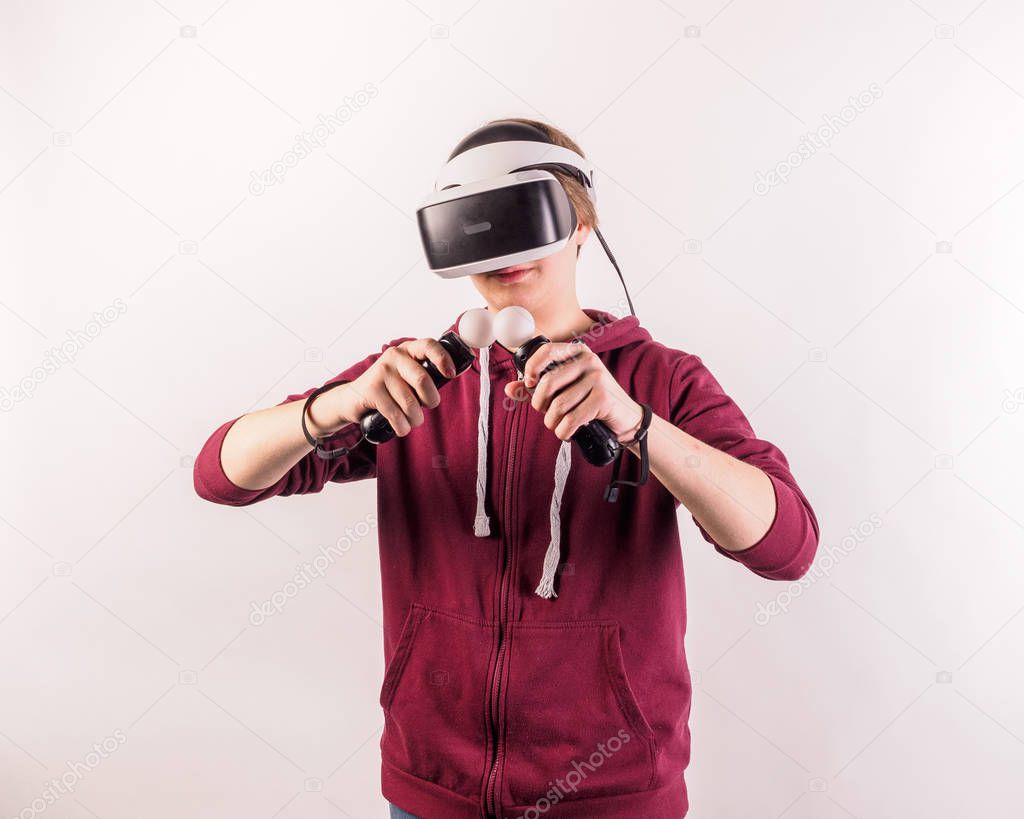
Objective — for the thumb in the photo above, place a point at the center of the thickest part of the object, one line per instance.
(516, 390)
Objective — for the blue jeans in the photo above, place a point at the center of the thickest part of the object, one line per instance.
(398, 813)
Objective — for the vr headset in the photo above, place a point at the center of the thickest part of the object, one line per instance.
(498, 204)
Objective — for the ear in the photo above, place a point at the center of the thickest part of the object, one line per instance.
(582, 234)
(580, 237)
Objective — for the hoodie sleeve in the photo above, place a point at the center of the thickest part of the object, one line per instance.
(700, 407)
(310, 474)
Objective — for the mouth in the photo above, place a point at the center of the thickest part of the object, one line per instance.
(511, 275)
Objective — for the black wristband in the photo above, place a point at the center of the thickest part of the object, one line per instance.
(645, 424)
(326, 454)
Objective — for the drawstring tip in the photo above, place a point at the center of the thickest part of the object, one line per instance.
(546, 589)
(563, 464)
(482, 526)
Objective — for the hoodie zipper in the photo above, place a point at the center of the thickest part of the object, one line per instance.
(503, 617)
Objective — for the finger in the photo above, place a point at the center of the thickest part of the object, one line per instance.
(565, 402)
(550, 355)
(382, 401)
(408, 404)
(428, 349)
(547, 358)
(415, 375)
(517, 391)
(554, 382)
(583, 413)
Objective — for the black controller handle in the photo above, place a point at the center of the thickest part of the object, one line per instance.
(596, 442)
(377, 429)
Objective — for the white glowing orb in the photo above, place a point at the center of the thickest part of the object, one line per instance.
(513, 327)
(476, 327)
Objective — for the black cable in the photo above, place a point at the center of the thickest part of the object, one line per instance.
(615, 264)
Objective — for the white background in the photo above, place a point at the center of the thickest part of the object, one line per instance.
(885, 362)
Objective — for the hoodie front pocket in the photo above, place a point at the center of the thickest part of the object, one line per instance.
(433, 698)
(573, 727)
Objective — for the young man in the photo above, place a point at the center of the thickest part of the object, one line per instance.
(533, 631)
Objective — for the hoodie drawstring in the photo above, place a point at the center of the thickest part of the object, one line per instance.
(482, 523)
(563, 463)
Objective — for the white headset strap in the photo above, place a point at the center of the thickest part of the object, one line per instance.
(497, 158)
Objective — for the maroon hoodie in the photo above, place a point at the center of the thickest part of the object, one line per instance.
(499, 702)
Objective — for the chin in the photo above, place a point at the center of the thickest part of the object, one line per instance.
(502, 297)
(529, 286)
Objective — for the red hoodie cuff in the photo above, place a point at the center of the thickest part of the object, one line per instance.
(786, 550)
(211, 482)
